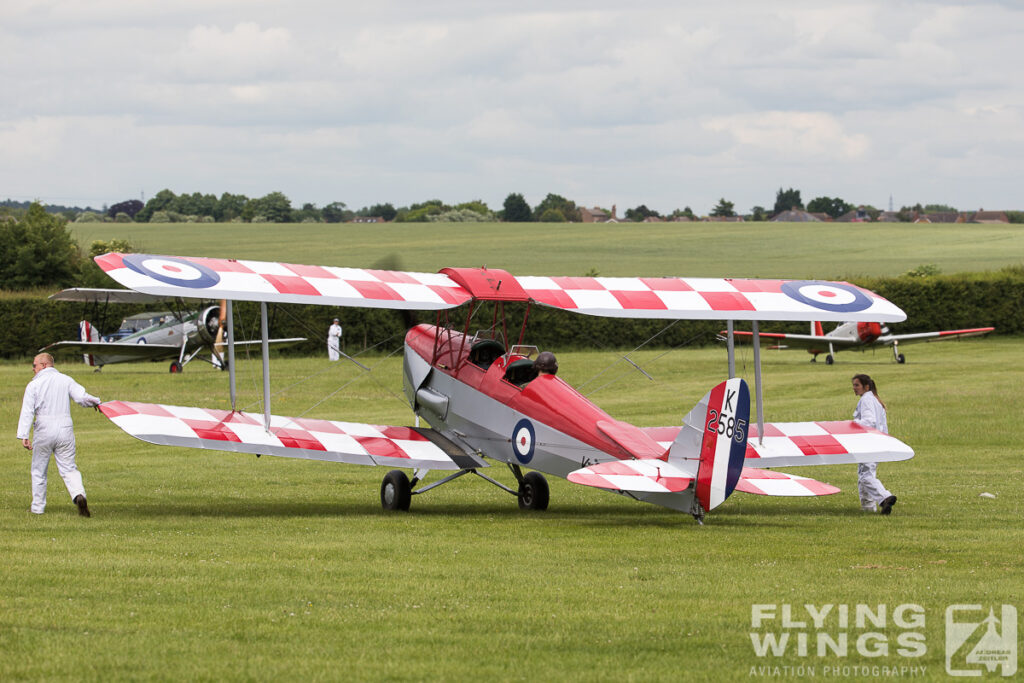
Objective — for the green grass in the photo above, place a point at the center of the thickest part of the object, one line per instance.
(209, 566)
(793, 250)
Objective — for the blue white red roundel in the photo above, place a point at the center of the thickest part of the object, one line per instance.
(836, 297)
(172, 271)
(524, 439)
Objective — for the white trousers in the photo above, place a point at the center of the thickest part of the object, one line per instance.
(60, 441)
(872, 492)
(332, 350)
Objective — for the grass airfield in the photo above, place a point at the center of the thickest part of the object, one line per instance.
(202, 565)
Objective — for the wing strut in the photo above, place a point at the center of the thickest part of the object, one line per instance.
(757, 383)
(731, 345)
(265, 346)
(229, 314)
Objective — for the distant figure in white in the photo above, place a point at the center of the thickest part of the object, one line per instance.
(870, 412)
(47, 405)
(334, 340)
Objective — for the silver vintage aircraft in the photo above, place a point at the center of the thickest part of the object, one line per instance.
(156, 335)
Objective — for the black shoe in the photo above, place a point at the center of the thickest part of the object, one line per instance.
(83, 507)
(885, 507)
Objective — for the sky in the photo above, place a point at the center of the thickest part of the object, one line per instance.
(668, 104)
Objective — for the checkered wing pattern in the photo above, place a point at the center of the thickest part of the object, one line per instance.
(711, 298)
(223, 430)
(788, 444)
(239, 280)
(772, 483)
(639, 476)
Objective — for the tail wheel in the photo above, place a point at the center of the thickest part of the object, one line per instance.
(395, 491)
(176, 368)
(533, 492)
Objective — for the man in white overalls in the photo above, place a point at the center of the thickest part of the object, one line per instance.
(47, 405)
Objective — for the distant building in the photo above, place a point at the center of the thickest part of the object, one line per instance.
(795, 215)
(594, 215)
(724, 219)
(941, 217)
(858, 215)
(368, 219)
(990, 217)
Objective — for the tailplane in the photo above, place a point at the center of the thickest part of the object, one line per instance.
(88, 333)
(714, 434)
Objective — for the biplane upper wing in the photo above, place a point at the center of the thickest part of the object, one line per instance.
(789, 444)
(312, 439)
(669, 298)
(140, 351)
(103, 296)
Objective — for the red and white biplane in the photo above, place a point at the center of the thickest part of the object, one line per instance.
(858, 335)
(484, 399)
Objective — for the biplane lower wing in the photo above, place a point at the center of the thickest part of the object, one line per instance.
(795, 444)
(311, 439)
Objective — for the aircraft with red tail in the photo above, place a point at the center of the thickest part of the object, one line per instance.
(486, 399)
(859, 335)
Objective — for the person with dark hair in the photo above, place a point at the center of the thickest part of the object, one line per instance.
(870, 413)
(546, 363)
(45, 427)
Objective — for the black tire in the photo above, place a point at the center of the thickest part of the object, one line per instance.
(176, 367)
(900, 358)
(829, 360)
(395, 491)
(533, 492)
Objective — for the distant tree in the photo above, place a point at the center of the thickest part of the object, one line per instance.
(833, 206)
(685, 212)
(723, 208)
(307, 214)
(92, 275)
(388, 212)
(786, 200)
(420, 213)
(560, 204)
(37, 251)
(758, 214)
(88, 217)
(640, 213)
(229, 207)
(461, 216)
(516, 209)
(476, 206)
(939, 208)
(552, 215)
(129, 207)
(272, 208)
(335, 212)
(162, 201)
(1015, 216)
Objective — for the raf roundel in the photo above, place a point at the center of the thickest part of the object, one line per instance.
(827, 296)
(172, 271)
(524, 438)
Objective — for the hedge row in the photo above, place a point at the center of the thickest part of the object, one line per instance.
(932, 303)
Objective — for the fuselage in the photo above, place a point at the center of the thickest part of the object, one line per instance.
(498, 406)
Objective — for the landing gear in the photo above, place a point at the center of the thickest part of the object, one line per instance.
(533, 492)
(829, 360)
(176, 367)
(900, 358)
(395, 491)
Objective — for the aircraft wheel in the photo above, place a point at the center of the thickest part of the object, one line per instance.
(533, 492)
(176, 368)
(395, 491)
(829, 360)
(901, 359)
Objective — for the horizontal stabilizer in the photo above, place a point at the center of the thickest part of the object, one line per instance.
(312, 439)
(105, 296)
(139, 351)
(771, 483)
(639, 476)
(792, 444)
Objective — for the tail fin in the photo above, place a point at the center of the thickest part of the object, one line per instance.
(88, 333)
(817, 330)
(715, 434)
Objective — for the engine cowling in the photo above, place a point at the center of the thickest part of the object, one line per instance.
(208, 323)
(869, 332)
